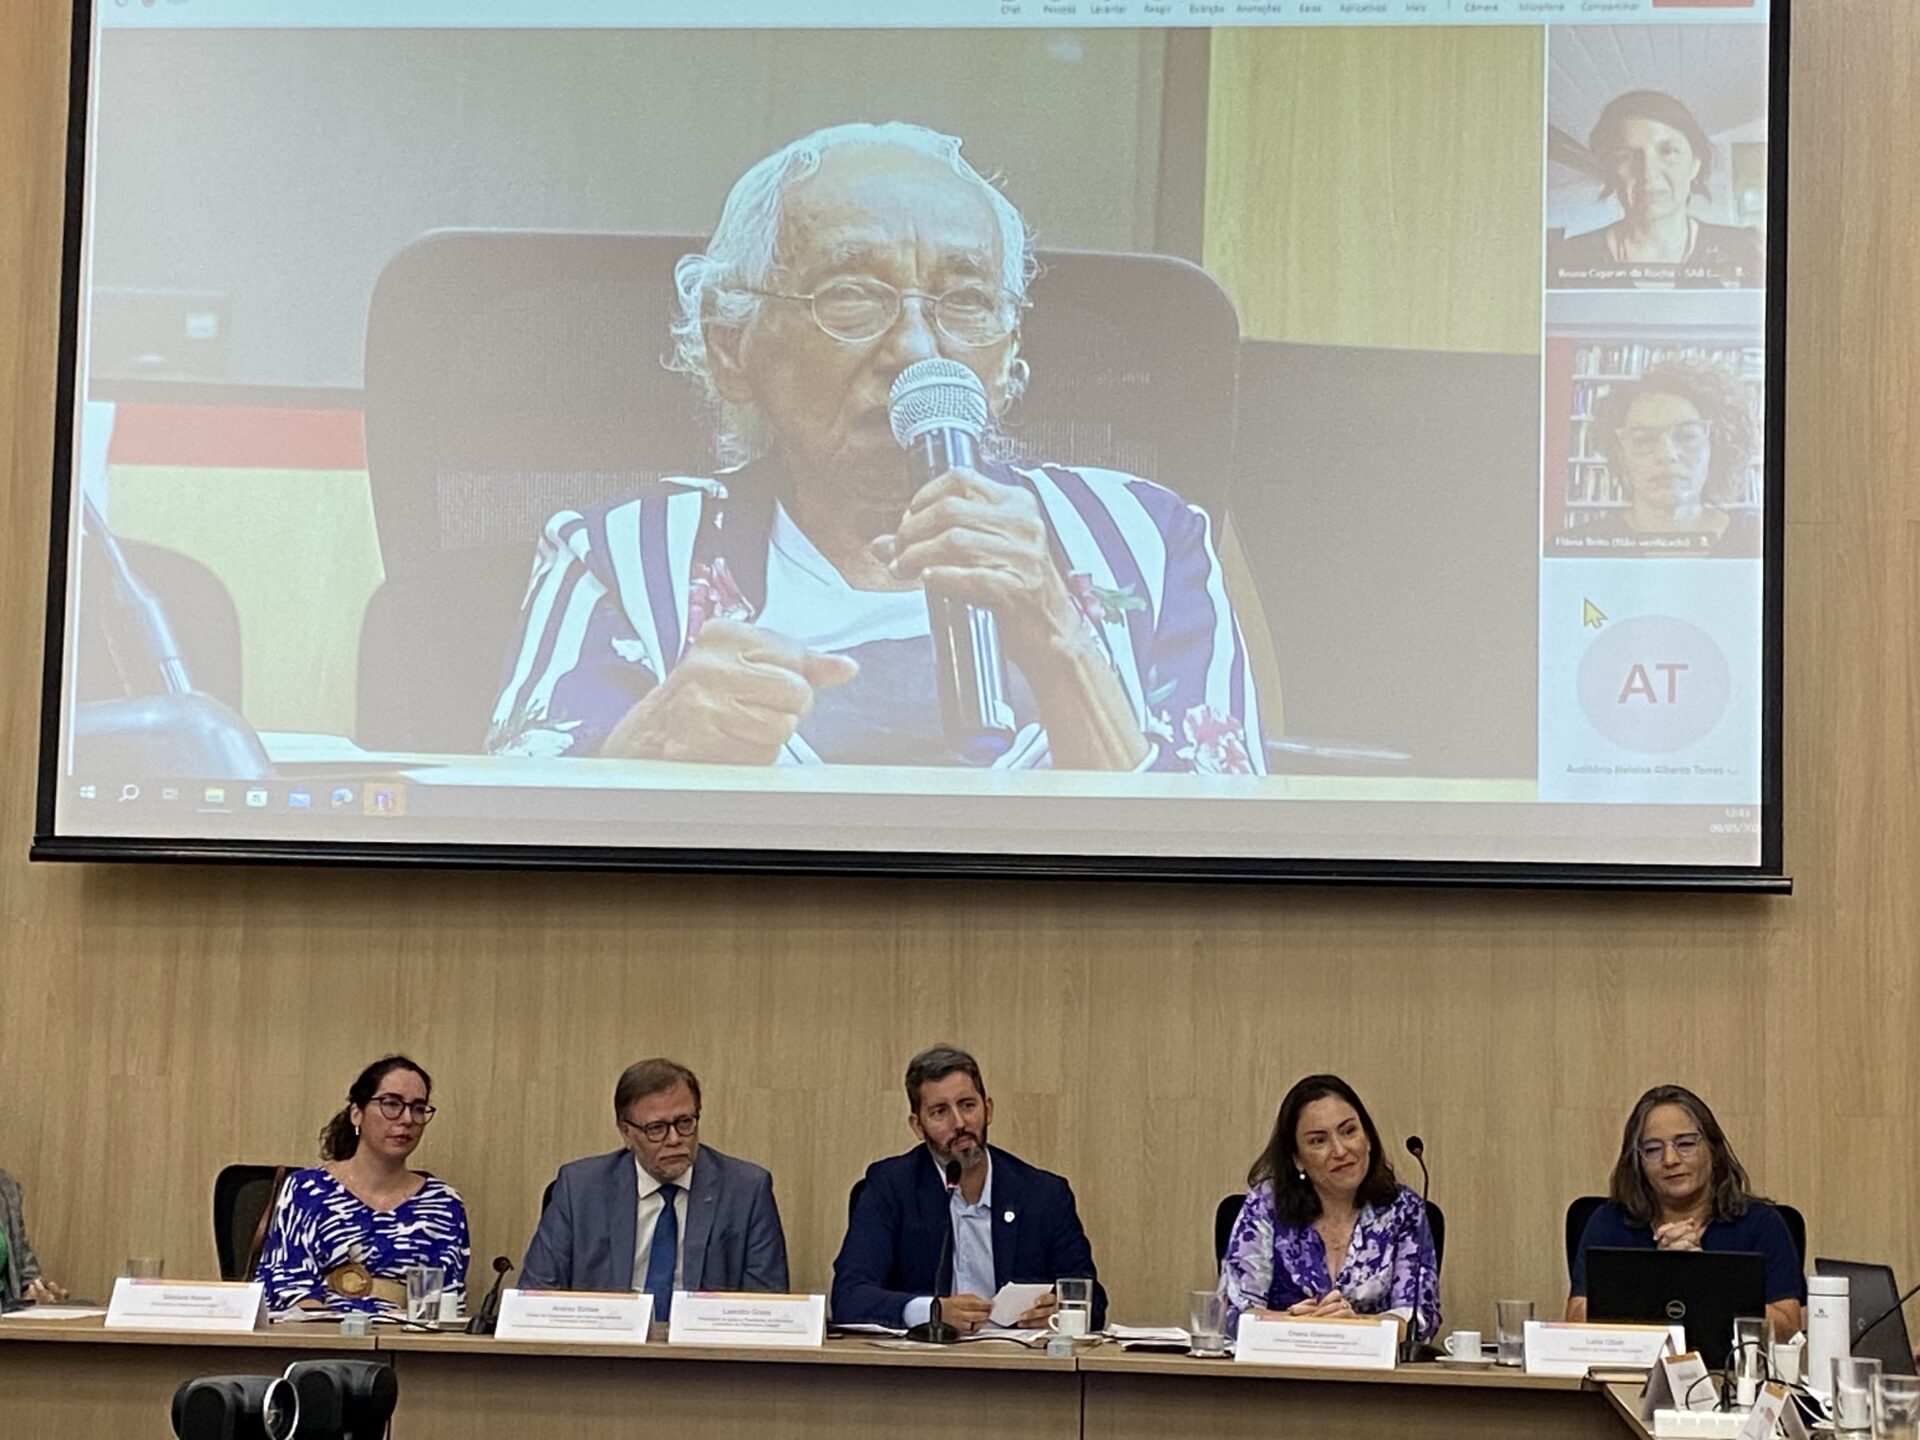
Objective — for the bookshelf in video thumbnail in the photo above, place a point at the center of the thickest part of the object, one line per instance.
(1591, 487)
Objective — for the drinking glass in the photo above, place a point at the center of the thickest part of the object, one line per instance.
(1206, 1323)
(1896, 1407)
(1748, 1359)
(145, 1267)
(424, 1284)
(1852, 1407)
(1510, 1325)
(1074, 1317)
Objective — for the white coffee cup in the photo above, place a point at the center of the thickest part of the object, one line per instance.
(1463, 1345)
(1070, 1321)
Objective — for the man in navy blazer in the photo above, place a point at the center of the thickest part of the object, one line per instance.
(606, 1224)
(1008, 1221)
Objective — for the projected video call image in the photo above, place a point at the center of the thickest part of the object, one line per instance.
(1657, 150)
(484, 439)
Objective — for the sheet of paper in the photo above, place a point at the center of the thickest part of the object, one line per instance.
(1150, 1334)
(1015, 1300)
(54, 1312)
(1032, 1339)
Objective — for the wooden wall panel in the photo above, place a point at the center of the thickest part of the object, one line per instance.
(1371, 186)
(155, 1023)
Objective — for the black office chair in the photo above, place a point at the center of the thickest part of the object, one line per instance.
(198, 607)
(243, 1200)
(853, 1197)
(1583, 1208)
(1228, 1211)
(513, 374)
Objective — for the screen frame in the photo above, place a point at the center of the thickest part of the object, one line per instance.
(1766, 877)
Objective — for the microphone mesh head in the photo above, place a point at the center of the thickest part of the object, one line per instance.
(936, 394)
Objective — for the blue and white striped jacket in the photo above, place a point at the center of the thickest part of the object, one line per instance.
(607, 610)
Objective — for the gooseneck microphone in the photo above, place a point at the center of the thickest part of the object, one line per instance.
(938, 411)
(936, 1331)
(488, 1315)
(1416, 1147)
(143, 641)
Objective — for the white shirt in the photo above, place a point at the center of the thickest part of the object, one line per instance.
(972, 1246)
(647, 1215)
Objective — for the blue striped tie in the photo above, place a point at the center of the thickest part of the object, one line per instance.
(665, 1253)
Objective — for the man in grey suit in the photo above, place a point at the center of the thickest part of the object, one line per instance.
(664, 1214)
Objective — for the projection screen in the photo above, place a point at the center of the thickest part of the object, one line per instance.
(1292, 438)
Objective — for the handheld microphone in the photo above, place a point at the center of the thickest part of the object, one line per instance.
(1417, 1148)
(488, 1315)
(936, 1331)
(938, 411)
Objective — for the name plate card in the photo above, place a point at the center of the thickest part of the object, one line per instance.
(1555, 1347)
(743, 1318)
(1320, 1344)
(1774, 1414)
(1678, 1382)
(592, 1317)
(215, 1307)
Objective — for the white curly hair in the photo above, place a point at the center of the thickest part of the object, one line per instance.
(712, 287)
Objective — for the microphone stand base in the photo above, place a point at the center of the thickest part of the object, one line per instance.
(934, 1332)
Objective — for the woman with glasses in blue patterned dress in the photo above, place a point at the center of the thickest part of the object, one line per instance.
(345, 1233)
(1677, 1185)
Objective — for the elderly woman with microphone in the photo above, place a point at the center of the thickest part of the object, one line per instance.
(843, 592)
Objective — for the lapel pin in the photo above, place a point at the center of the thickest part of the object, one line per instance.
(1008, 1217)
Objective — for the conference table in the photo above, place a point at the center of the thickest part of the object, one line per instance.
(76, 1377)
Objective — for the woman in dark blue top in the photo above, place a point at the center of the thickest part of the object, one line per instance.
(1677, 1185)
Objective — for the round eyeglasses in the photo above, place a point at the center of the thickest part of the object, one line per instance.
(394, 1106)
(656, 1130)
(857, 310)
(1652, 439)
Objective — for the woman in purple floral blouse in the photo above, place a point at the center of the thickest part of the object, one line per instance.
(1326, 1231)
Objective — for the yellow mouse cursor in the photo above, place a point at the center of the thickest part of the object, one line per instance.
(1591, 615)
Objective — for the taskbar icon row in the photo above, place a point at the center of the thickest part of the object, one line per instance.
(219, 797)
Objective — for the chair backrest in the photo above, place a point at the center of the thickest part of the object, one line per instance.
(198, 607)
(512, 374)
(1224, 1214)
(1437, 1227)
(1228, 1211)
(1797, 1228)
(1578, 1214)
(853, 1197)
(243, 1199)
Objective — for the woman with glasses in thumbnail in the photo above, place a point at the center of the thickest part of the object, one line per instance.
(776, 614)
(345, 1233)
(1326, 1232)
(1677, 1185)
(1653, 158)
(1681, 440)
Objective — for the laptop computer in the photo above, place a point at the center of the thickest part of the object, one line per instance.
(1704, 1290)
(1872, 1294)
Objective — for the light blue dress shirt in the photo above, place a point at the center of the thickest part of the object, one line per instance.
(972, 1248)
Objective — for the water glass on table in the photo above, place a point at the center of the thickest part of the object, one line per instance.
(1896, 1407)
(1073, 1317)
(1852, 1394)
(424, 1284)
(1206, 1323)
(145, 1267)
(1510, 1328)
